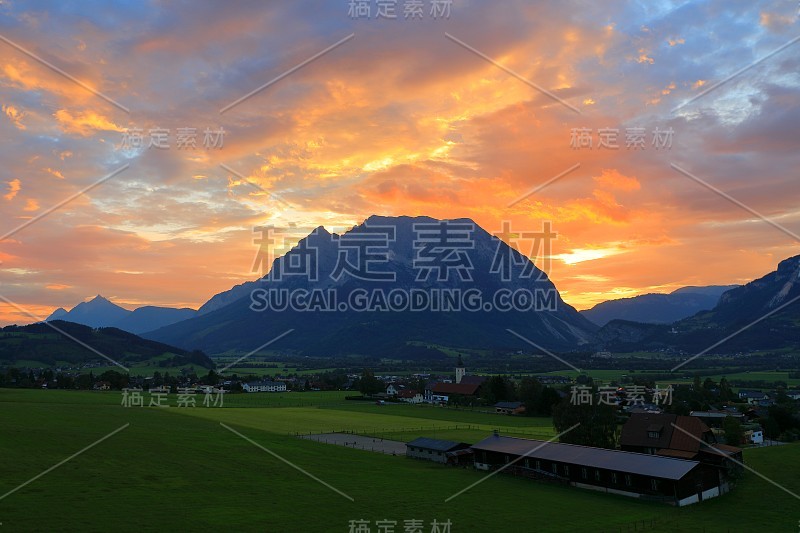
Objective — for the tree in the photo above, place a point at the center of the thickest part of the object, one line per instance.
(498, 389)
(547, 401)
(530, 394)
(117, 380)
(734, 435)
(369, 384)
(538, 399)
(212, 378)
(726, 393)
(586, 424)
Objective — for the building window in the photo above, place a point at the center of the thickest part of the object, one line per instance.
(597, 475)
(538, 465)
(506, 458)
(526, 464)
(584, 473)
(566, 470)
(653, 434)
(555, 468)
(613, 477)
(654, 484)
(628, 480)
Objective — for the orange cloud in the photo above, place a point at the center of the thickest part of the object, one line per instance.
(86, 123)
(31, 205)
(14, 187)
(14, 115)
(55, 173)
(644, 58)
(613, 179)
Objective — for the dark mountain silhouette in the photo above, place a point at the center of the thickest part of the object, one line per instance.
(100, 312)
(658, 308)
(97, 313)
(149, 317)
(227, 322)
(762, 314)
(43, 344)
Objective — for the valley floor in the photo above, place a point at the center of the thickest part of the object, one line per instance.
(242, 467)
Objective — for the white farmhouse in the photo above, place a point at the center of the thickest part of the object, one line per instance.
(264, 386)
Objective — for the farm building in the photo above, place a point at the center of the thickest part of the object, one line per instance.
(715, 419)
(509, 408)
(440, 451)
(682, 437)
(264, 386)
(666, 479)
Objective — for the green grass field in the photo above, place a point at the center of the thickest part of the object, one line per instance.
(605, 376)
(180, 469)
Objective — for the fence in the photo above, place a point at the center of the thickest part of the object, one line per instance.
(422, 430)
(372, 432)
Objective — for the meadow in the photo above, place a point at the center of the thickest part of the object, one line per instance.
(182, 469)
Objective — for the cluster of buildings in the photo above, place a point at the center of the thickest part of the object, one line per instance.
(661, 457)
(439, 391)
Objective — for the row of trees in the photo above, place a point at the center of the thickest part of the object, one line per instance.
(16, 378)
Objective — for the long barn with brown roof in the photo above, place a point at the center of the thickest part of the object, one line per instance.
(667, 479)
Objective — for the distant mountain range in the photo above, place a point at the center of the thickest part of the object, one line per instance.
(763, 314)
(227, 321)
(658, 308)
(689, 318)
(101, 313)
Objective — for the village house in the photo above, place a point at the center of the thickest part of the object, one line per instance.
(410, 396)
(754, 436)
(442, 392)
(682, 437)
(393, 389)
(752, 396)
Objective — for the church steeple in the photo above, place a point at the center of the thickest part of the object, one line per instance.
(461, 371)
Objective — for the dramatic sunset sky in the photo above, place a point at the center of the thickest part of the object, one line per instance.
(400, 119)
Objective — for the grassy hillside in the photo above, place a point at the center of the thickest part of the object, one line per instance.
(75, 344)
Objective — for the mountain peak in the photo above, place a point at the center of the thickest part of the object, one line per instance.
(789, 266)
